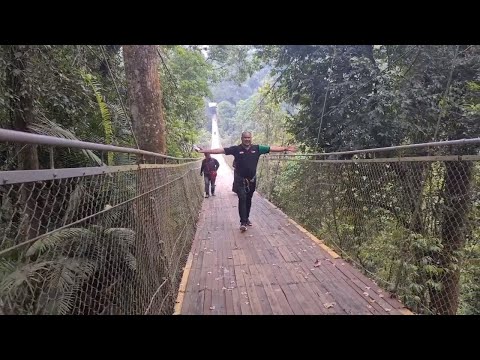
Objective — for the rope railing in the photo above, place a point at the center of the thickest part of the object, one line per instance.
(436, 145)
(27, 138)
(95, 240)
(408, 219)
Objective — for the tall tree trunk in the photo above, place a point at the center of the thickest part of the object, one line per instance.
(21, 104)
(145, 96)
(458, 177)
(21, 114)
(151, 212)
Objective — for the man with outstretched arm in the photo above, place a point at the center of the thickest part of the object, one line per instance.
(246, 160)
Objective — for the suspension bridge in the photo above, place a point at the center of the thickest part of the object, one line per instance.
(138, 238)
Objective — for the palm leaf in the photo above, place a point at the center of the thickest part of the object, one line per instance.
(43, 126)
(104, 111)
(6, 266)
(74, 201)
(131, 261)
(26, 274)
(56, 239)
(120, 115)
(123, 234)
(65, 280)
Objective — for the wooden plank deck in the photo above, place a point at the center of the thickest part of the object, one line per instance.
(269, 269)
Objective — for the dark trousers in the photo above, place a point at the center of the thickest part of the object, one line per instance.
(244, 198)
(209, 182)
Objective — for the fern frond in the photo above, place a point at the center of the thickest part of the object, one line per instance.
(74, 201)
(64, 282)
(104, 112)
(56, 239)
(24, 275)
(6, 266)
(131, 261)
(123, 234)
(43, 126)
(119, 113)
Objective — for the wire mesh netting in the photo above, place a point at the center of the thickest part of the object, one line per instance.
(409, 221)
(102, 240)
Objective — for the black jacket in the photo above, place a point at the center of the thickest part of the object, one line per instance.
(208, 167)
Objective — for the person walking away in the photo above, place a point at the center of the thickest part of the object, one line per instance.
(209, 171)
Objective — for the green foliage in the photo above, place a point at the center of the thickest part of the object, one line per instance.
(260, 113)
(104, 112)
(62, 265)
(375, 96)
(233, 62)
(185, 76)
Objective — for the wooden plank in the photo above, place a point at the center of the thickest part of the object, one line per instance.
(239, 279)
(307, 306)
(252, 293)
(375, 294)
(259, 247)
(326, 299)
(285, 274)
(243, 257)
(285, 240)
(350, 300)
(229, 283)
(207, 301)
(276, 255)
(229, 306)
(269, 259)
(320, 243)
(296, 273)
(293, 302)
(307, 270)
(208, 272)
(266, 270)
(288, 256)
(239, 257)
(226, 257)
(251, 256)
(243, 299)
(267, 228)
(311, 299)
(343, 294)
(264, 302)
(183, 286)
(272, 295)
(282, 300)
(218, 293)
(198, 284)
(256, 278)
(247, 261)
(191, 287)
(289, 297)
(272, 240)
(364, 282)
(260, 291)
(237, 309)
